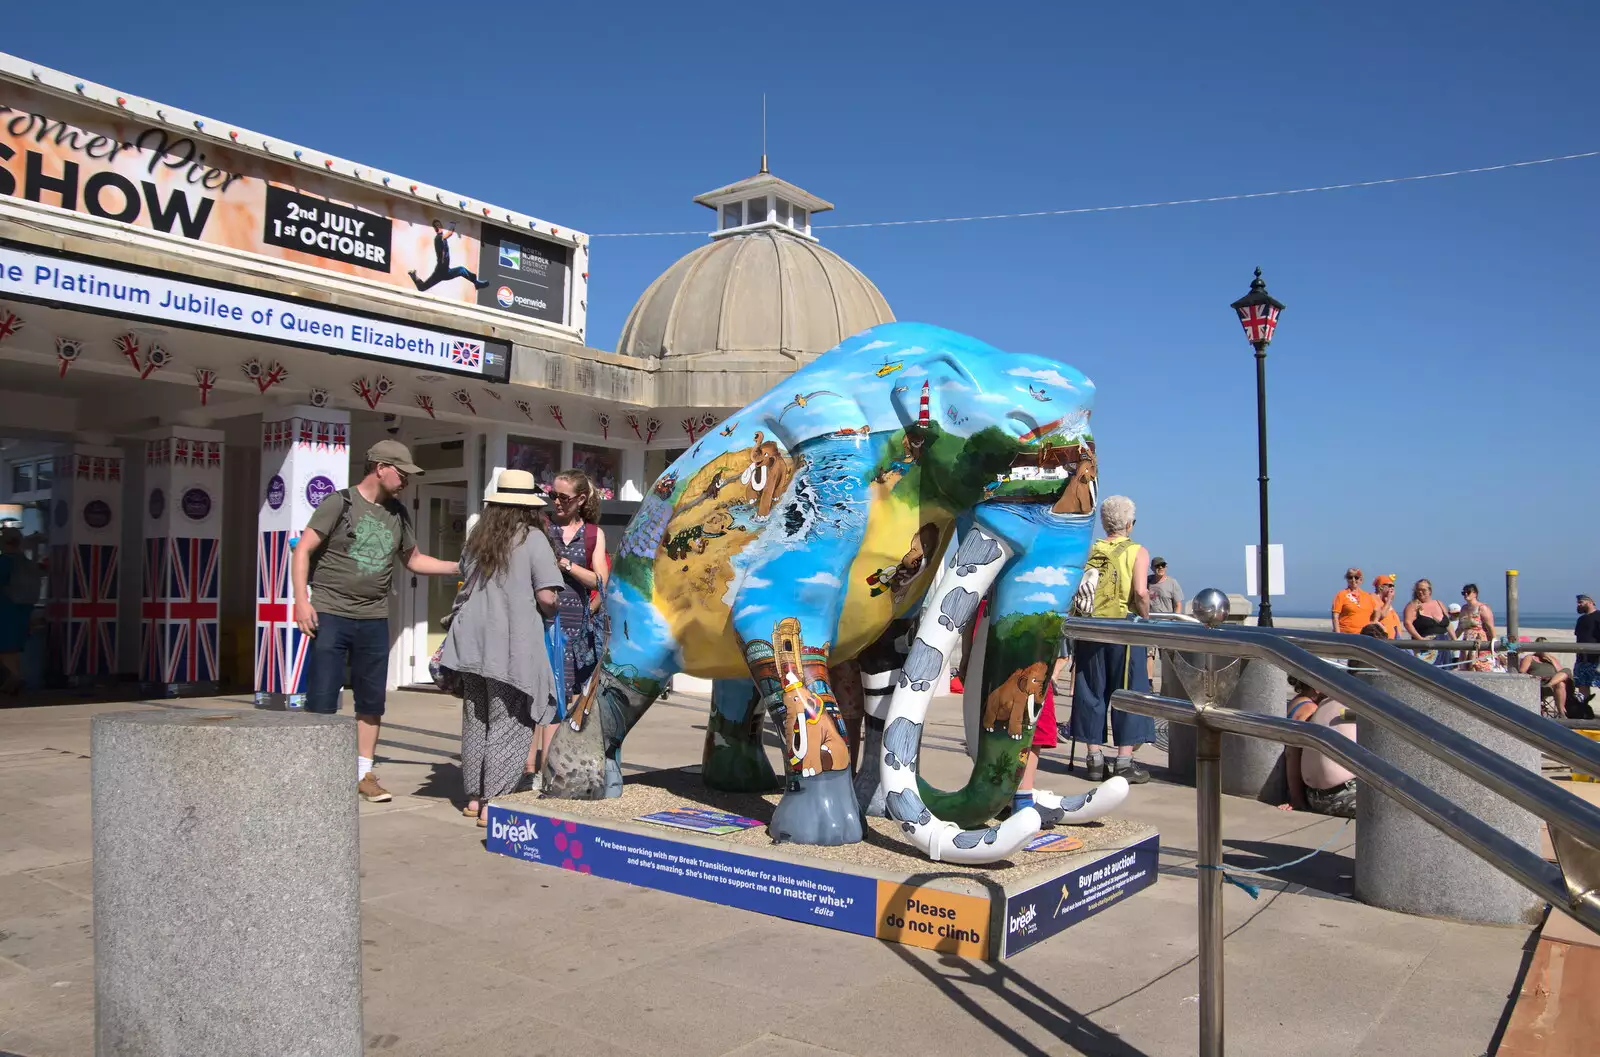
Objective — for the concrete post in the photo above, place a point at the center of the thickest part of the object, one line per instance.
(1251, 767)
(227, 892)
(1404, 864)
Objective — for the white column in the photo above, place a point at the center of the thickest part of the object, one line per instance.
(85, 562)
(182, 560)
(305, 457)
(633, 484)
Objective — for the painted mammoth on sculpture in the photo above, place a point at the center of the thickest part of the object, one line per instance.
(856, 473)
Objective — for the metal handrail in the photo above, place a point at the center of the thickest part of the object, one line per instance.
(1574, 824)
(1520, 786)
(1541, 878)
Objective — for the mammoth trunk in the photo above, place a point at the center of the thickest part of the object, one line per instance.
(931, 819)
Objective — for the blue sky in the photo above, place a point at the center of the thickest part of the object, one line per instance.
(1432, 386)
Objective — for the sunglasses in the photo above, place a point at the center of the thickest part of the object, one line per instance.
(563, 497)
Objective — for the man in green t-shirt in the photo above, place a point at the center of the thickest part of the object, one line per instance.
(342, 569)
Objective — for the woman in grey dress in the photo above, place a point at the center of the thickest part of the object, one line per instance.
(496, 639)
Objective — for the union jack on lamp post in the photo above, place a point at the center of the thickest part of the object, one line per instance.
(1258, 314)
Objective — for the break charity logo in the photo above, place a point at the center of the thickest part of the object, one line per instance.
(1018, 922)
(513, 830)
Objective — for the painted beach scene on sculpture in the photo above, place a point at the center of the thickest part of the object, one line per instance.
(1016, 516)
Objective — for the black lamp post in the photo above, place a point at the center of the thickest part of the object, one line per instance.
(1258, 313)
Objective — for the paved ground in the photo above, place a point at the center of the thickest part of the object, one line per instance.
(471, 953)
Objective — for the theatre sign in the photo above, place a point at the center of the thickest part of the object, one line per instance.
(121, 166)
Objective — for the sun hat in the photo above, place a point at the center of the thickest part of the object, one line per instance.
(395, 454)
(515, 488)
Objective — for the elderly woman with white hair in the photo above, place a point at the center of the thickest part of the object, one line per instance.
(1101, 667)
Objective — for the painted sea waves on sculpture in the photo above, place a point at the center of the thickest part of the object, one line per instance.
(805, 532)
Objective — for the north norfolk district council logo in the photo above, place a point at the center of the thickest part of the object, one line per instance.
(505, 297)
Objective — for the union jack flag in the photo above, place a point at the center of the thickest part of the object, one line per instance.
(190, 631)
(305, 434)
(113, 469)
(281, 647)
(214, 454)
(324, 436)
(338, 436)
(466, 353)
(180, 452)
(1259, 322)
(89, 640)
(153, 610)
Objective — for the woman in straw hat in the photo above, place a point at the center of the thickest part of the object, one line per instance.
(495, 640)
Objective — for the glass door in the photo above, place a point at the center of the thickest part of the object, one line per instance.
(441, 531)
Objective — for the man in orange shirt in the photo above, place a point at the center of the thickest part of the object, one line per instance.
(1383, 611)
(1352, 607)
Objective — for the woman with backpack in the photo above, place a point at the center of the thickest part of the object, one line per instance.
(508, 689)
(1122, 571)
(580, 548)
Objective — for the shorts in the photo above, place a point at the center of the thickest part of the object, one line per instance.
(1044, 732)
(1340, 801)
(365, 643)
(1586, 673)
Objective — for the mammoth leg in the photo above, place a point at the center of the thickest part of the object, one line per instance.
(879, 667)
(584, 761)
(819, 803)
(734, 760)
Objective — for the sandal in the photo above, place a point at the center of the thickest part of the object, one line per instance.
(472, 808)
(483, 821)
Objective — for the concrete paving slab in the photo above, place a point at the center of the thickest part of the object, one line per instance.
(655, 1010)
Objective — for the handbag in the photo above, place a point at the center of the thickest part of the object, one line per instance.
(555, 645)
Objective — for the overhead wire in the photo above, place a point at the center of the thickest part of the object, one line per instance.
(1149, 205)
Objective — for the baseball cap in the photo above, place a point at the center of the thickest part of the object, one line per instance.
(1586, 598)
(1386, 580)
(1158, 563)
(395, 454)
(1455, 607)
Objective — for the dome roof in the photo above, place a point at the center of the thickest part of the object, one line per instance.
(755, 294)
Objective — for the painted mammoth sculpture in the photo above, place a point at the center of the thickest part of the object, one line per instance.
(805, 532)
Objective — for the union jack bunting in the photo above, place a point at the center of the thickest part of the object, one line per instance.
(214, 454)
(80, 467)
(281, 648)
(338, 436)
(89, 645)
(324, 436)
(97, 468)
(153, 610)
(180, 452)
(466, 353)
(1259, 322)
(113, 469)
(190, 632)
(305, 433)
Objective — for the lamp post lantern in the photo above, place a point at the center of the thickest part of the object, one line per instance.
(1258, 314)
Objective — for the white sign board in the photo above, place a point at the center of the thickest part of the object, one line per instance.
(1274, 569)
(105, 289)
